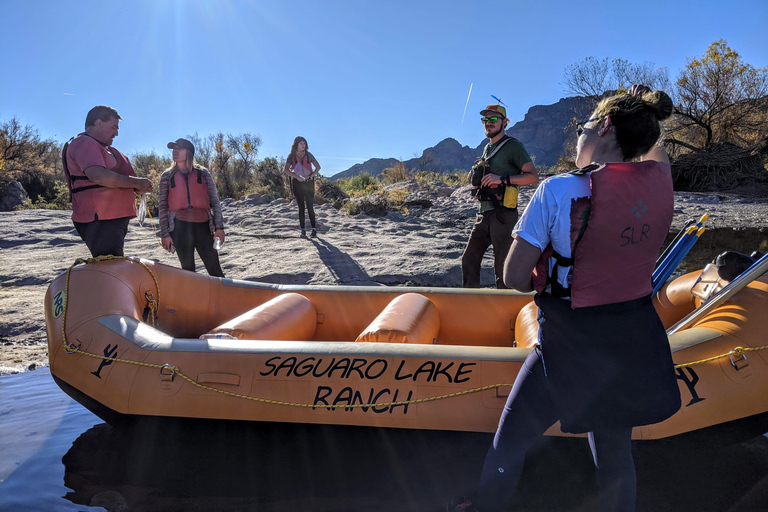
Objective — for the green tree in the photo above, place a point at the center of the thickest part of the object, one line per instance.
(30, 160)
(720, 98)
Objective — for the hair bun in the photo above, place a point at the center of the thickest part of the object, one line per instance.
(661, 104)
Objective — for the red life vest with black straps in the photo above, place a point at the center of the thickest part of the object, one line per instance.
(305, 163)
(91, 201)
(188, 191)
(630, 215)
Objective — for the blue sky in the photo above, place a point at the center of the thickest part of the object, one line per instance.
(358, 79)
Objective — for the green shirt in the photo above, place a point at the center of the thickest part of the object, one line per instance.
(508, 161)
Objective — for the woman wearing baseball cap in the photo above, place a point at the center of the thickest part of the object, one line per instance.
(190, 210)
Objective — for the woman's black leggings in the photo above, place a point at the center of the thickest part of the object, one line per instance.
(304, 192)
(188, 236)
(531, 410)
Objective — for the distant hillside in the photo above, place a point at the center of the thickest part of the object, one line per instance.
(446, 156)
(542, 132)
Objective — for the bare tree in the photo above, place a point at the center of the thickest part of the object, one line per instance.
(425, 159)
(203, 149)
(592, 78)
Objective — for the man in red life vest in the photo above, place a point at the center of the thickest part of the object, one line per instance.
(102, 183)
(504, 166)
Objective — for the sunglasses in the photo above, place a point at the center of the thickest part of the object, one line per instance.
(490, 120)
(580, 126)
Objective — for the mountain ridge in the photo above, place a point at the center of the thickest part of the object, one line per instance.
(542, 131)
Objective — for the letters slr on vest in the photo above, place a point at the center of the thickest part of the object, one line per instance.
(630, 215)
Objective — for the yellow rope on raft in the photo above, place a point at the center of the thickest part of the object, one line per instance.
(178, 372)
(738, 352)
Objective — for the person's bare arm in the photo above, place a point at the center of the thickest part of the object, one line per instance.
(111, 179)
(520, 262)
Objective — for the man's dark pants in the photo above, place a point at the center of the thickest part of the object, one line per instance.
(104, 237)
(490, 229)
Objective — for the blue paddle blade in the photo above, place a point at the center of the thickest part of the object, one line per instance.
(497, 99)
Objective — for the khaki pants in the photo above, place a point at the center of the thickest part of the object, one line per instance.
(489, 230)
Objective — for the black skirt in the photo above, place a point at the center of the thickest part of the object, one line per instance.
(609, 366)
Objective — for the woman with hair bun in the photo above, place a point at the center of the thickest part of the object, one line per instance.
(587, 244)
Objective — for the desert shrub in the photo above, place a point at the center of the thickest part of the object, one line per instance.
(33, 162)
(268, 178)
(58, 201)
(396, 198)
(455, 178)
(394, 174)
(330, 192)
(372, 205)
(361, 185)
(425, 177)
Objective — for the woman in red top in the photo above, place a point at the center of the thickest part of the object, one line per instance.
(299, 166)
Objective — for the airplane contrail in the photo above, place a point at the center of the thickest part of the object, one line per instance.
(467, 103)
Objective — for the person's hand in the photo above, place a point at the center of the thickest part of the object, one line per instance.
(167, 243)
(639, 90)
(220, 234)
(142, 186)
(490, 180)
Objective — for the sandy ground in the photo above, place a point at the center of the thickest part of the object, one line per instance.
(263, 244)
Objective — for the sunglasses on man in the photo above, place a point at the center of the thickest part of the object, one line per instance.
(490, 120)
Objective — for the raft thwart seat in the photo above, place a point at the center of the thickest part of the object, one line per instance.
(287, 317)
(409, 318)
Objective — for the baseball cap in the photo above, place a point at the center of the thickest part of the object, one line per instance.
(184, 144)
(495, 109)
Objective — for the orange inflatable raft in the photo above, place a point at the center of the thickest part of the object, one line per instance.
(132, 338)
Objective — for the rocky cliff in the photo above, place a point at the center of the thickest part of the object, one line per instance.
(544, 132)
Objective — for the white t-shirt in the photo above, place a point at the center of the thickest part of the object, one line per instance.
(557, 212)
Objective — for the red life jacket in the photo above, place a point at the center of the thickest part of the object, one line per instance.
(630, 215)
(305, 162)
(91, 201)
(188, 191)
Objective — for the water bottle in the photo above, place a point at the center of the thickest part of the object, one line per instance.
(217, 243)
